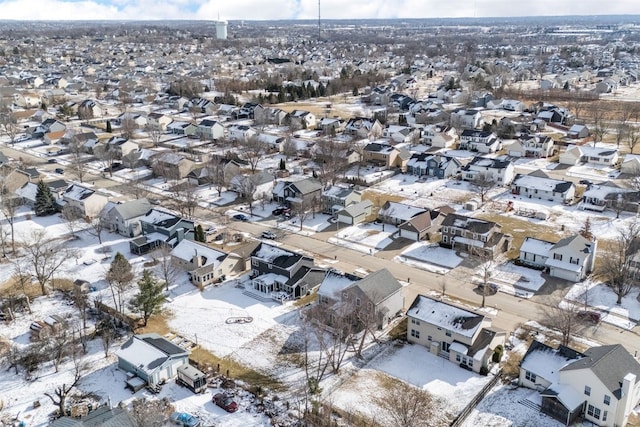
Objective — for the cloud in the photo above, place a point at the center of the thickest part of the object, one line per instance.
(300, 9)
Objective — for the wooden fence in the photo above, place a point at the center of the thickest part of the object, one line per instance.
(462, 416)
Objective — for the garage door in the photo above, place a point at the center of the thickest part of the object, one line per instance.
(563, 274)
(411, 235)
(345, 219)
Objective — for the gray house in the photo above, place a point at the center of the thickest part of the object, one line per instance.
(152, 358)
(124, 218)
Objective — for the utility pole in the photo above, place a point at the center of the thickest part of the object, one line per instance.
(319, 31)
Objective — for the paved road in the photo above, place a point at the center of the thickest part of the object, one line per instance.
(511, 311)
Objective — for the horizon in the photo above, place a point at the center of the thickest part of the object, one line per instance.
(302, 10)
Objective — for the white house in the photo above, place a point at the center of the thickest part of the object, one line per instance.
(458, 335)
(395, 213)
(124, 218)
(631, 164)
(203, 264)
(535, 252)
(87, 201)
(600, 384)
(499, 171)
(540, 187)
(481, 141)
(355, 213)
(439, 137)
(532, 146)
(606, 156)
(572, 258)
(240, 132)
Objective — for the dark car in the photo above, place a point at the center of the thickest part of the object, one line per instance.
(589, 316)
(492, 288)
(240, 217)
(52, 161)
(280, 211)
(585, 182)
(226, 402)
(114, 167)
(59, 170)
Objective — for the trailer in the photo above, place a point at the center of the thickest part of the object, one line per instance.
(192, 378)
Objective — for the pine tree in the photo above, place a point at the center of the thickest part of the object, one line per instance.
(198, 234)
(282, 165)
(148, 301)
(45, 202)
(109, 130)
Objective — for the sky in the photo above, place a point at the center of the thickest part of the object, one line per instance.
(302, 9)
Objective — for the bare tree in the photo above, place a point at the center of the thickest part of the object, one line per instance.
(487, 267)
(185, 199)
(616, 263)
(45, 256)
(58, 347)
(98, 224)
(107, 332)
(482, 184)
(252, 150)
(71, 216)
(119, 277)
(215, 169)
(22, 277)
(168, 270)
(562, 317)
(155, 133)
(77, 160)
(403, 405)
(8, 123)
(600, 126)
(4, 240)
(330, 157)
(8, 206)
(633, 137)
(62, 392)
(106, 155)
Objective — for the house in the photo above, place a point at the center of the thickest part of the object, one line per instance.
(121, 147)
(240, 132)
(609, 195)
(422, 226)
(302, 194)
(336, 198)
(89, 109)
(537, 186)
(456, 334)
(269, 115)
(260, 185)
(160, 228)
(331, 125)
(362, 127)
(386, 156)
(172, 166)
(279, 274)
(630, 165)
(466, 119)
(480, 141)
(532, 146)
(203, 264)
(395, 213)
(302, 119)
(209, 129)
(401, 134)
(151, 358)
(599, 384)
(104, 416)
(124, 218)
(376, 298)
(439, 136)
(436, 165)
(578, 132)
(182, 128)
(572, 258)
(476, 236)
(158, 121)
(575, 154)
(355, 213)
(86, 201)
(501, 172)
(535, 252)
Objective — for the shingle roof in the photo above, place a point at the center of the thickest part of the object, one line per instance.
(379, 286)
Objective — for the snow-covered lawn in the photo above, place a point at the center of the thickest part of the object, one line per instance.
(429, 257)
(598, 296)
(413, 364)
(513, 278)
(366, 238)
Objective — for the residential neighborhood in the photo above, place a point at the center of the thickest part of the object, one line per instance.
(252, 223)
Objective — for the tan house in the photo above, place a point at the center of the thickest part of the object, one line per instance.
(203, 264)
(87, 201)
(172, 166)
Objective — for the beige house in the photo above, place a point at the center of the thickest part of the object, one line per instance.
(203, 264)
(87, 201)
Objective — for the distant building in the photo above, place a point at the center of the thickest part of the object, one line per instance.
(221, 30)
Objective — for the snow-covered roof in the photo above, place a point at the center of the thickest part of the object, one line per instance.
(542, 184)
(535, 246)
(147, 352)
(76, 192)
(401, 211)
(334, 283)
(187, 249)
(271, 278)
(441, 314)
(269, 253)
(545, 364)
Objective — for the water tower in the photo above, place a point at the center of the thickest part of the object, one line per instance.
(221, 30)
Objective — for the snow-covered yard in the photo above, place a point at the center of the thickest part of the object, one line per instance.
(598, 296)
(430, 257)
(367, 238)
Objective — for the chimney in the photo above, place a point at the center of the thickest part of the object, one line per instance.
(627, 398)
(198, 259)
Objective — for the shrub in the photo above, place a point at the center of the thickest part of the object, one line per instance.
(497, 354)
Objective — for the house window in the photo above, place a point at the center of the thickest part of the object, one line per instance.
(557, 256)
(447, 333)
(445, 229)
(594, 412)
(483, 238)
(415, 334)
(458, 358)
(587, 390)
(470, 362)
(445, 347)
(604, 416)
(607, 399)
(445, 239)
(415, 322)
(254, 262)
(358, 302)
(429, 338)
(575, 261)
(475, 236)
(530, 376)
(345, 295)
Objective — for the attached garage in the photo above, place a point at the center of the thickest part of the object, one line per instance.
(356, 213)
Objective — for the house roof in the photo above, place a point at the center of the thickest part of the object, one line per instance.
(421, 221)
(133, 208)
(101, 417)
(472, 224)
(77, 192)
(582, 244)
(546, 361)
(535, 246)
(610, 363)
(148, 351)
(542, 184)
(276, 256)
(400, 210)
(306, 186)
(335, 282)
(356, 209)
(186, 250)
(445, 315)
(379, 286)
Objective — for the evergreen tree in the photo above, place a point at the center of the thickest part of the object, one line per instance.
(109, 130)
(198, 234)
(282, 165)
(45, 202)
(149, 299)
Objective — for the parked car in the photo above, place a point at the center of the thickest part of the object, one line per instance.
(59, 170)
(280, 211)
(269, 235)
(492, 288)
(226, 402)
(114, 167)
(240, 217)
(589, 316)
(52, 161)
(185, 419)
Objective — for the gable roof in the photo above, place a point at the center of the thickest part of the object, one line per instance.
(610, 363)
(442, 314)
(101, 417)
(133, 208)
(475, 225)
(379, 286)
(148, 351)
